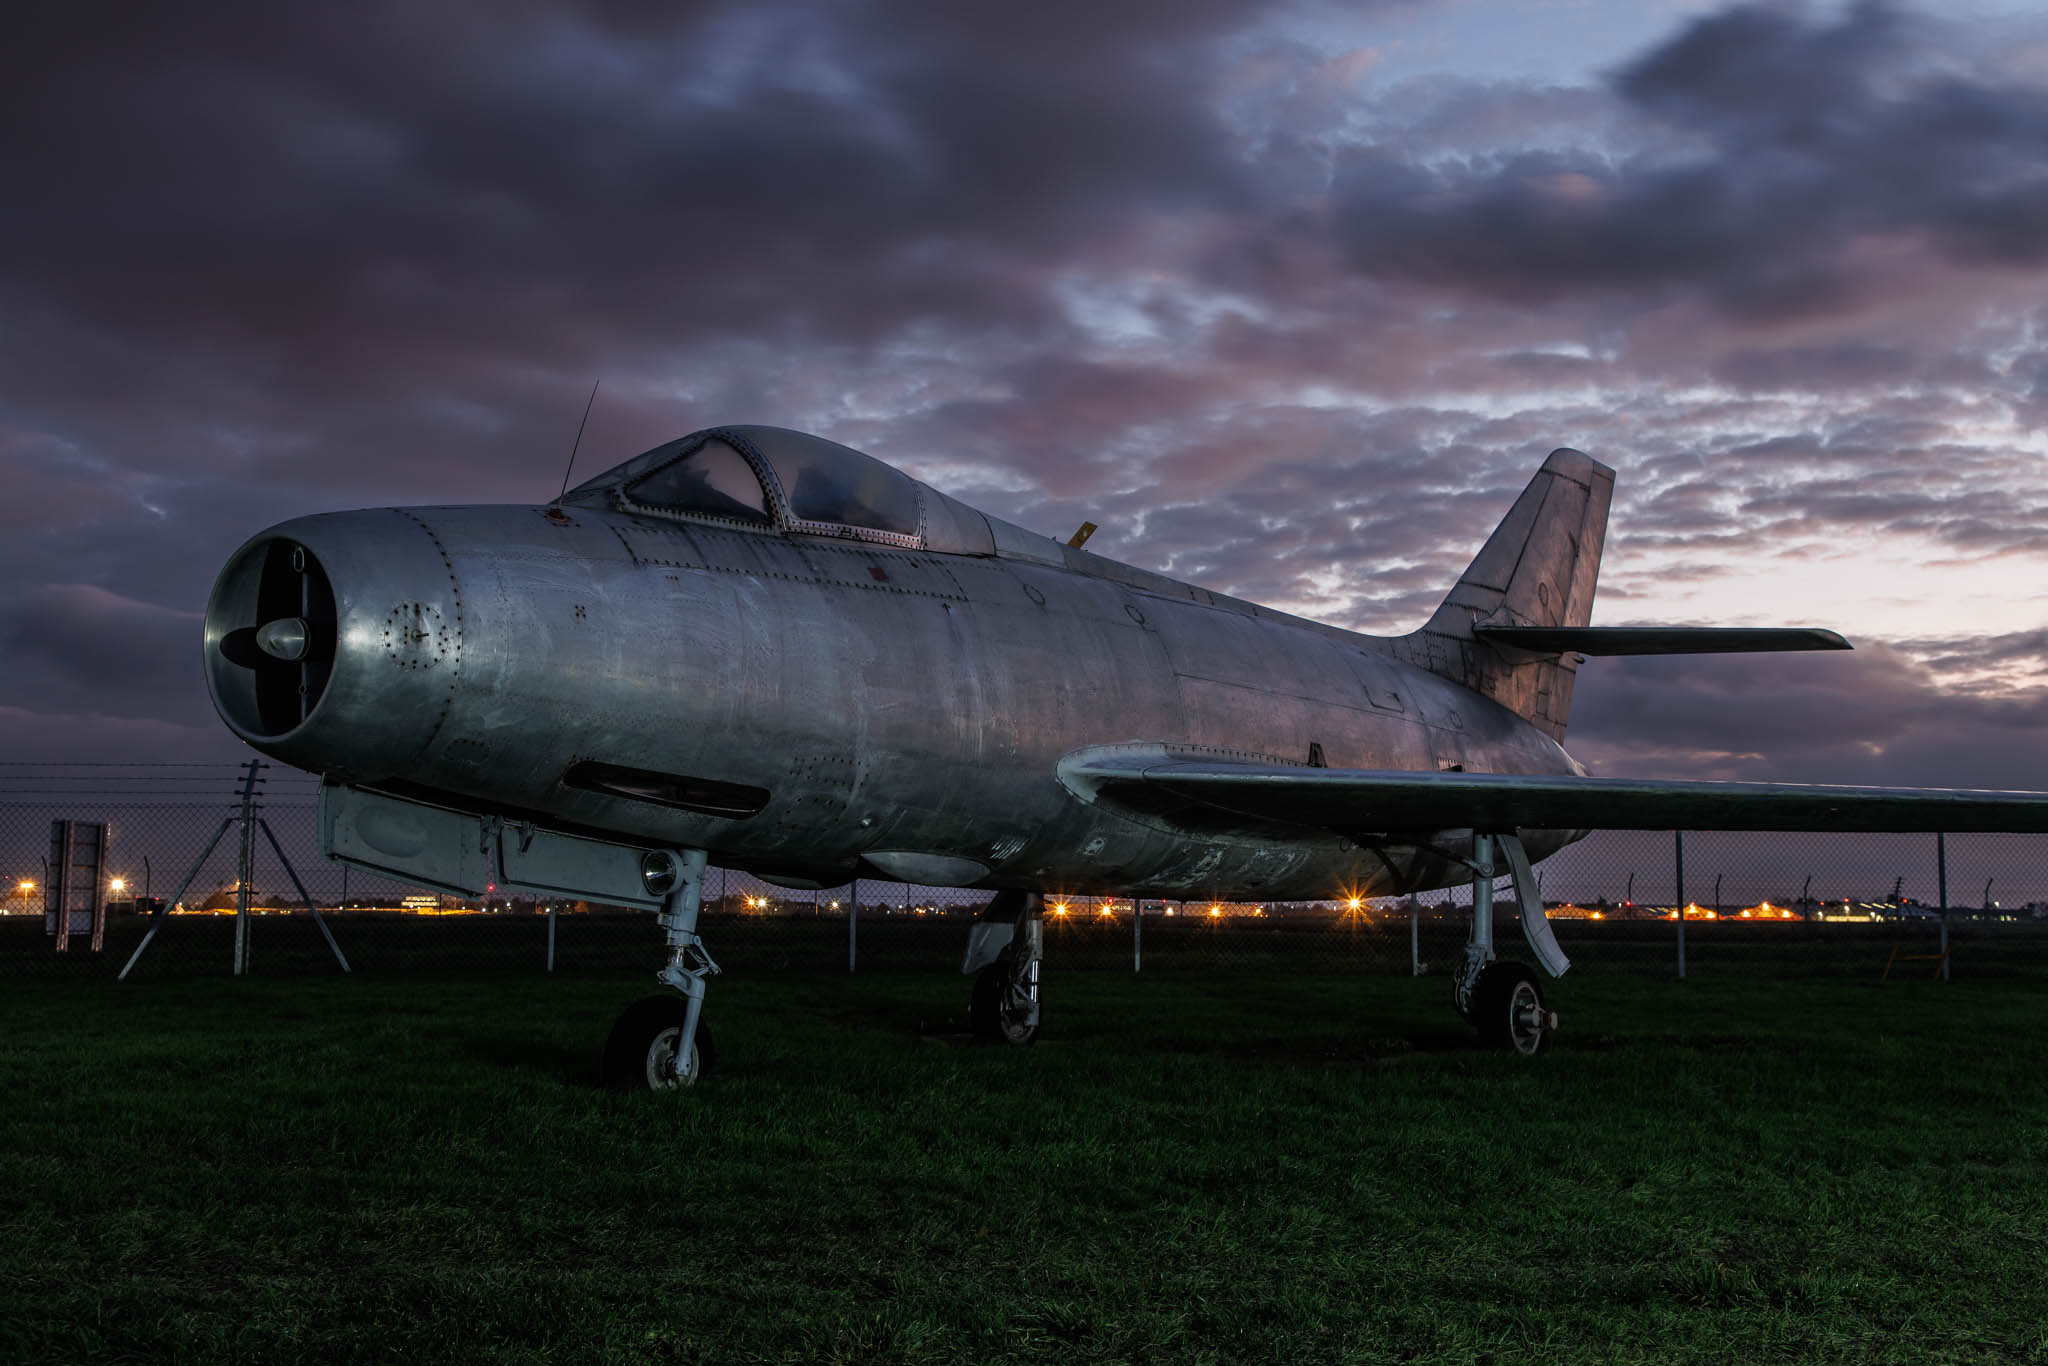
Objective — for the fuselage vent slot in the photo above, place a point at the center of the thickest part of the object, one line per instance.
(705, 796)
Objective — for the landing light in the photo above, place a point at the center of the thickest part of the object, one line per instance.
(658, 872)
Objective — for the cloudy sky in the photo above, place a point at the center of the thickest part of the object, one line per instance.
(1290, 297)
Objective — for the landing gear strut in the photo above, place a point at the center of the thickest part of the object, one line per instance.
(1502, 998)
(1003, 952)
(660, 1043)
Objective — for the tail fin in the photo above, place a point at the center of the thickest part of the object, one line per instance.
(1537, 569)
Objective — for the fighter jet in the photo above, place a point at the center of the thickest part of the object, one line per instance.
(757, 647)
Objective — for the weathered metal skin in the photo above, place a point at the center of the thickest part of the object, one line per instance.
(905, 709)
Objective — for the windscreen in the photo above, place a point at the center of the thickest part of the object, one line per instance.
(713, 479)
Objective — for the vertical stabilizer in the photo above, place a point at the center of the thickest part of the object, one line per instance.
(1537, 569)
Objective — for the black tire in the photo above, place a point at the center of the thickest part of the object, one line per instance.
(633, 1054)
(1507, 1006)
(995, 1013)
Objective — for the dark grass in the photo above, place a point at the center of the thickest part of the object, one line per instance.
(1192, 1169)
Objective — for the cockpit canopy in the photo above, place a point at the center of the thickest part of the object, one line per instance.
(771, 477)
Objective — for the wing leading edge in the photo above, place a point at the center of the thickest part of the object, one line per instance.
(1352, 801)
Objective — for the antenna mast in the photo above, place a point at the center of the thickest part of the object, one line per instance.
(578, 442)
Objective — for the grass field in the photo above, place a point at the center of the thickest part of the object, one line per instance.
(1276, 1168)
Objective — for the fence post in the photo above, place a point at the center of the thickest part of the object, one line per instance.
(1678, 876)
(1414, 937)
(551, 936)
(246, 867)
(852, 923)
(1137, 934)
(1941, 880)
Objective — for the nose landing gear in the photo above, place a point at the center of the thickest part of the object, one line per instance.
(660, 1042)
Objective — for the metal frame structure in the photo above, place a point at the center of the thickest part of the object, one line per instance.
(250, 822)
(62, 884)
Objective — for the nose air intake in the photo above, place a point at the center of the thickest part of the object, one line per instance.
(270, 638)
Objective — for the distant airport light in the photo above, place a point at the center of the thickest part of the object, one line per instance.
(118, 885)
(1215, 910)
(1059, 908)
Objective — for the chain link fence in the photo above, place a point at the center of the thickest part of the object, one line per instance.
(1619, 902)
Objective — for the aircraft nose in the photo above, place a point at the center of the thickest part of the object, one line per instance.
(270, 637)
(330, 640)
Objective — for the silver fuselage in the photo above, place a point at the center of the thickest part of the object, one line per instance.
(904, 710)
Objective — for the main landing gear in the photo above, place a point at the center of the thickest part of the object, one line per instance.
(1501, 998)
(660, 1043)
(1003, 952)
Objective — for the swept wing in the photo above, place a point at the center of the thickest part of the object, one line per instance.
(1353, 801)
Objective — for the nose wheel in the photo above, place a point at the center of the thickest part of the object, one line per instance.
(644, 1052)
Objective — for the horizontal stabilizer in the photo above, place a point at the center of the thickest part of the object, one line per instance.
(1662, 640)
(1355, 802)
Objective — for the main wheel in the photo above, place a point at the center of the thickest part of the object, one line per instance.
(1507, 1006)
(1005, 1007)
(640, 1054)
